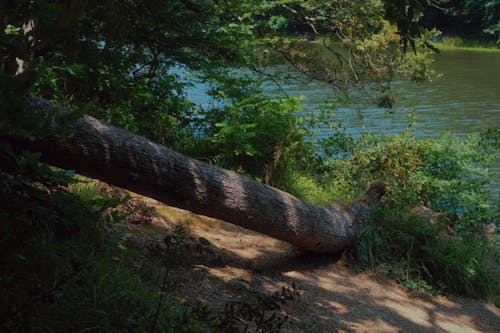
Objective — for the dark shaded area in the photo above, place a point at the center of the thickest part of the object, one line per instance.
(332, 297)
(465, 18)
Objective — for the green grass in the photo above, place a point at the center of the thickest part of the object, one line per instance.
(442, 47)
(305, 187)
(458, 43)
(412, 250)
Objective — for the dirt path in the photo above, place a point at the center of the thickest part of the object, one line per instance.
(227, 263)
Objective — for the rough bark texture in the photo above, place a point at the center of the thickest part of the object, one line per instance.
(130, 161)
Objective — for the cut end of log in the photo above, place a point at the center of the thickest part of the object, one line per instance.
(374, 193)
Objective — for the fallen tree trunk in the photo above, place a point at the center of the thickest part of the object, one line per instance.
(130, 161)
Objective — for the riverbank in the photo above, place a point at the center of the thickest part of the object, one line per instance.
(442, 43)
(458, 43)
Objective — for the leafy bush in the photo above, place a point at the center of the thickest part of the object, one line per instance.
(412, 250)
(447, 175)
(254, 132)
(253, 135)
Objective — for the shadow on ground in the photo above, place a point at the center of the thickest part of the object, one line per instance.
(225, 262)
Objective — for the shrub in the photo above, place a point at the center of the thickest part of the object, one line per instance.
(411, 249)
(447, 175)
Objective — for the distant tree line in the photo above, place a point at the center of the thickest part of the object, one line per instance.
(467, 18)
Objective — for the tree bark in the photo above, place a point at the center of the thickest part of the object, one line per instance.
(118, 157)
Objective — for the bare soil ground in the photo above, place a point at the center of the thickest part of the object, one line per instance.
(222, 262)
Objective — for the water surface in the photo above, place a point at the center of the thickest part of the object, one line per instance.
(464, 98)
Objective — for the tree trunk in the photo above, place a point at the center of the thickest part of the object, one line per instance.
(130, 161)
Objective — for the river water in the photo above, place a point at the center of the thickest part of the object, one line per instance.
(464, 98)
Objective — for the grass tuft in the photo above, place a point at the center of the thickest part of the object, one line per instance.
(415, 252)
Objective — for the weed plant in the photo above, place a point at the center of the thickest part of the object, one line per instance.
(452, 43)
(413, 251)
